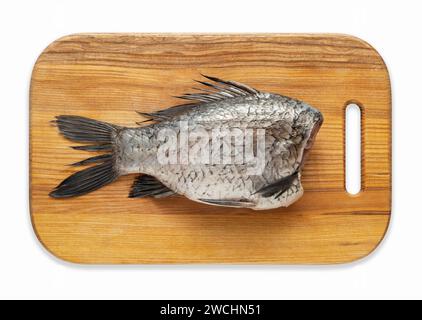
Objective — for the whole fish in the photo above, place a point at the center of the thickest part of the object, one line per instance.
(230, 145)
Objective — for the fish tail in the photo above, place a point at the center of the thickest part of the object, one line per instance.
(99, 136)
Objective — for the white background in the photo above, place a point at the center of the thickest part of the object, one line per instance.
(28, 271)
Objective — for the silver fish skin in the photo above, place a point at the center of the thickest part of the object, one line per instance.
(281, 131)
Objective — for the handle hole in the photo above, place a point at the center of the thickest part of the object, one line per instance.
(353, 149)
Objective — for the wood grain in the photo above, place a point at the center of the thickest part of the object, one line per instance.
(109, 76)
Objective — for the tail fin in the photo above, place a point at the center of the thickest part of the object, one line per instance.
(100, 135)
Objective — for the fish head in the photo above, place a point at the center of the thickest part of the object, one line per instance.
(308, 123)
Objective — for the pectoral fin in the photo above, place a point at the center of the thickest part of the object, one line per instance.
(279, 187)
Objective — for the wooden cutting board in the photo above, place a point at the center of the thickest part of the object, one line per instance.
(109, 76)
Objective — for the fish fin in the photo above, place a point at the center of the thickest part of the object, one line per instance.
(221, 90)
(83, 129)
(279, 187)
(94, 147)
(85, 181)
(100, 135)
(169, 113)
(148, 186)
(233, 85)
(100, 158)
(241, 203)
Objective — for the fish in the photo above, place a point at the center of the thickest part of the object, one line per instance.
(228, 145)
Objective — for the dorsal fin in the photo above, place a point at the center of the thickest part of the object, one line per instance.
(169, 113)
(220, 90)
